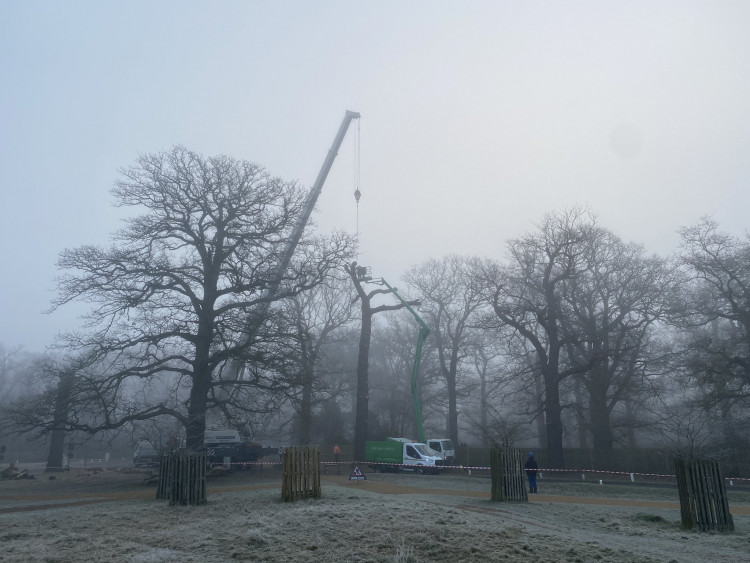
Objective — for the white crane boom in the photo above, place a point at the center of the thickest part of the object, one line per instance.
(258, 314)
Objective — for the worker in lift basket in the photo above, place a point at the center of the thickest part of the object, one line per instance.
(531, 468)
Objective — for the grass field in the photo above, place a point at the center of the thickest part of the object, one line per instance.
(389, 517)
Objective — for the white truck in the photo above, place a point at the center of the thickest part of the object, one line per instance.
(227, 443)
(402, 454)
(444, 447)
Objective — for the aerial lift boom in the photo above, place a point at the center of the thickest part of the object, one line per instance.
(424, 330)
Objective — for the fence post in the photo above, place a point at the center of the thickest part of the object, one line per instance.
(164, 483)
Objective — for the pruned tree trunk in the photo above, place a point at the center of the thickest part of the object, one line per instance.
(358, 276)
(363, 385)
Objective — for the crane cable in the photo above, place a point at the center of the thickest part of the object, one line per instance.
(357, 193)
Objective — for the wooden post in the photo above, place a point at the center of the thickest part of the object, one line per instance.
(686, 515)
(163, 484)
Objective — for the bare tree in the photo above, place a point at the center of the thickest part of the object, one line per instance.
(171, 295)
(391, 359)
(613, 301)
(307, 324)
(684, 425)
(450, 299)
(44, 409)
(526, 295)
(715, 314)
(498, 397)
(358, 276)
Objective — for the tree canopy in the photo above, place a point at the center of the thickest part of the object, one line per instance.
(171, 295)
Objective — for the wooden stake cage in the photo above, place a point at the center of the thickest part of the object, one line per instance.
(182, 478)
(301, 473)
(703, 496)
(508, 478)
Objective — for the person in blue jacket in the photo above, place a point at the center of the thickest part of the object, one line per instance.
(531, 468)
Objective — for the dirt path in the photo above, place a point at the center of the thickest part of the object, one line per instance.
(45, 502)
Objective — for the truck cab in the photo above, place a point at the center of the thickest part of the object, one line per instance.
(220, 444)
(444, 447)
(419, 455)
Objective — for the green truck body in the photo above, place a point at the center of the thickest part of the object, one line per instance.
(388, 451)
(402, 454)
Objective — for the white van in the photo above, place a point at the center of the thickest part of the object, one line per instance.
(444, 447)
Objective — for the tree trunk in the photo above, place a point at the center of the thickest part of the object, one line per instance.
(452, 409)
(551, 373)
(483, 406)
(60, 416)
(363, 390)
(631, 422)
(583, 434)
(452, 402)
(541, 427)
(308, 375)
(196, 420)
(552, 409)
(202, 372)
(553, 420)
(601, 429)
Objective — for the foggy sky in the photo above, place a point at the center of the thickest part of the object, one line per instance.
(477, 118)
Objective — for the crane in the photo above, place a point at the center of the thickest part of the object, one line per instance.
(258, 314)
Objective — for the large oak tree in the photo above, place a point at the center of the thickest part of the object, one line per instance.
(526, 295)
(171, 295)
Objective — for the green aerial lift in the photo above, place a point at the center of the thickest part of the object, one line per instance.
(424, 330)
